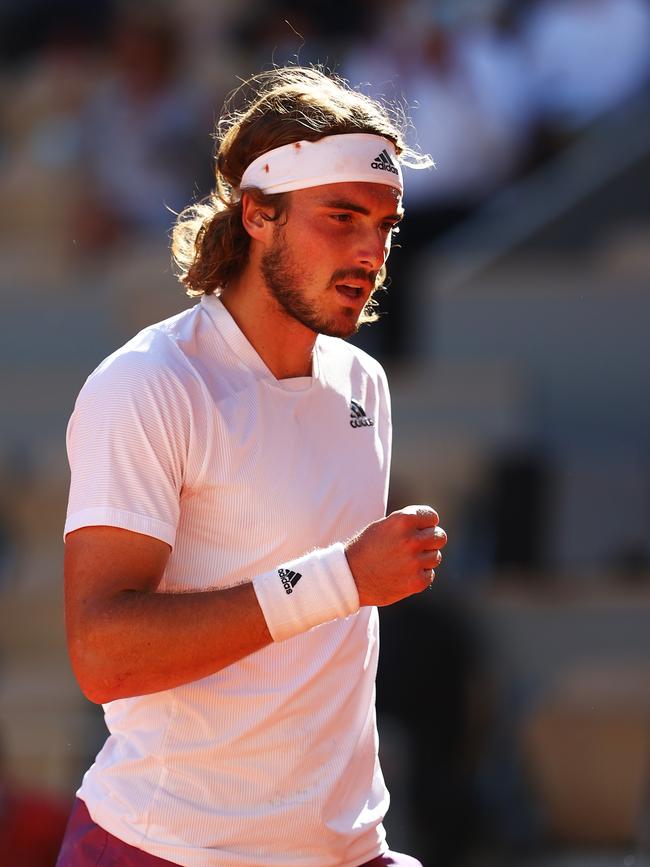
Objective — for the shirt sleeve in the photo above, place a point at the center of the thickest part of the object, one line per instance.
(127, 444)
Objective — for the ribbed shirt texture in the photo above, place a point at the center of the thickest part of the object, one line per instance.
(185, 435)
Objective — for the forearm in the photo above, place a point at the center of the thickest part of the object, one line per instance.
(126, 638)
(146, 641)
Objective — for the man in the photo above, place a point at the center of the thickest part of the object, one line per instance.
(226, 545)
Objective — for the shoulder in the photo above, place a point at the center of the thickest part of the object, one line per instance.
(150, 365)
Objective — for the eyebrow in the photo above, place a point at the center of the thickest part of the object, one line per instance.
(344, 205)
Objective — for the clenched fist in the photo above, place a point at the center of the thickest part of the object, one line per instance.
(395, 557)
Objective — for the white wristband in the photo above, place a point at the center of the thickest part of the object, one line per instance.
(305, 592)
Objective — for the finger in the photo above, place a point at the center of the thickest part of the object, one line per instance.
(433, 536)
(424, 516)
(431, 559)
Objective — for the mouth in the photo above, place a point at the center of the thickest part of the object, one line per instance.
(351, 291)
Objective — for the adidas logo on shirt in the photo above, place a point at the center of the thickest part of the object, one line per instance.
(384, 163)
(358, 417)
(289, 579)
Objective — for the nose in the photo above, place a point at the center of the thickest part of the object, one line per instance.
(372, 250)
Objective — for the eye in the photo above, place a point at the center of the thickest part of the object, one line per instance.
(342, 218)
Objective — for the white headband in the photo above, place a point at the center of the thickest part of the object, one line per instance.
(334, 159)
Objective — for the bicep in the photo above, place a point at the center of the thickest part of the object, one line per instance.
(102, 562)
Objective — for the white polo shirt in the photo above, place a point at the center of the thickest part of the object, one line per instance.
(185, 435)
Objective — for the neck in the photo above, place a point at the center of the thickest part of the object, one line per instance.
(283, 344)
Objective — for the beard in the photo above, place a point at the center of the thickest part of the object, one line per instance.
(283, 277)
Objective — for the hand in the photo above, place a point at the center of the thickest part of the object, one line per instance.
(395, 557)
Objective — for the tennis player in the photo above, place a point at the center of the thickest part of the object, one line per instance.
(226, 539)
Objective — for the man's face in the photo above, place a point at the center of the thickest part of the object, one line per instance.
(326, 253)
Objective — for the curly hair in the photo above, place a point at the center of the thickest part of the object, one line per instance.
(286, 104)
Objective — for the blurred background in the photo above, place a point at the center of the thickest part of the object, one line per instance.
(514, 697)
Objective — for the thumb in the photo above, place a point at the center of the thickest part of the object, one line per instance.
(427, 513)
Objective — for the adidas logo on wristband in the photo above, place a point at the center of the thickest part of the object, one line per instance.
(329, 592)
(289, 579)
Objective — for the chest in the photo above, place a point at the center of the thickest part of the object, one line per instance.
(292, 471)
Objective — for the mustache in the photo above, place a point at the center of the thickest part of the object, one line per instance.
(356, 274)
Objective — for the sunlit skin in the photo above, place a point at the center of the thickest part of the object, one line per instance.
(293, 285)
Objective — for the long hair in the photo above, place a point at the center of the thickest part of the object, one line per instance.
(209, 243)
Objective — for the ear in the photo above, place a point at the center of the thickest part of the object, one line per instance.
(256, 218)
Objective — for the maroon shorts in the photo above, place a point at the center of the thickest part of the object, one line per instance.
(87, 845)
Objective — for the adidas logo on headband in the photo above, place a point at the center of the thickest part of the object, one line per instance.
(383, 162)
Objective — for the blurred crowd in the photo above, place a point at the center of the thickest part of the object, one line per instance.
(106, 108)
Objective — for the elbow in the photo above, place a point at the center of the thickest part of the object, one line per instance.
(96, 689)
(99, 690)
(92, 672)
(93, 694)
(91, 688)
